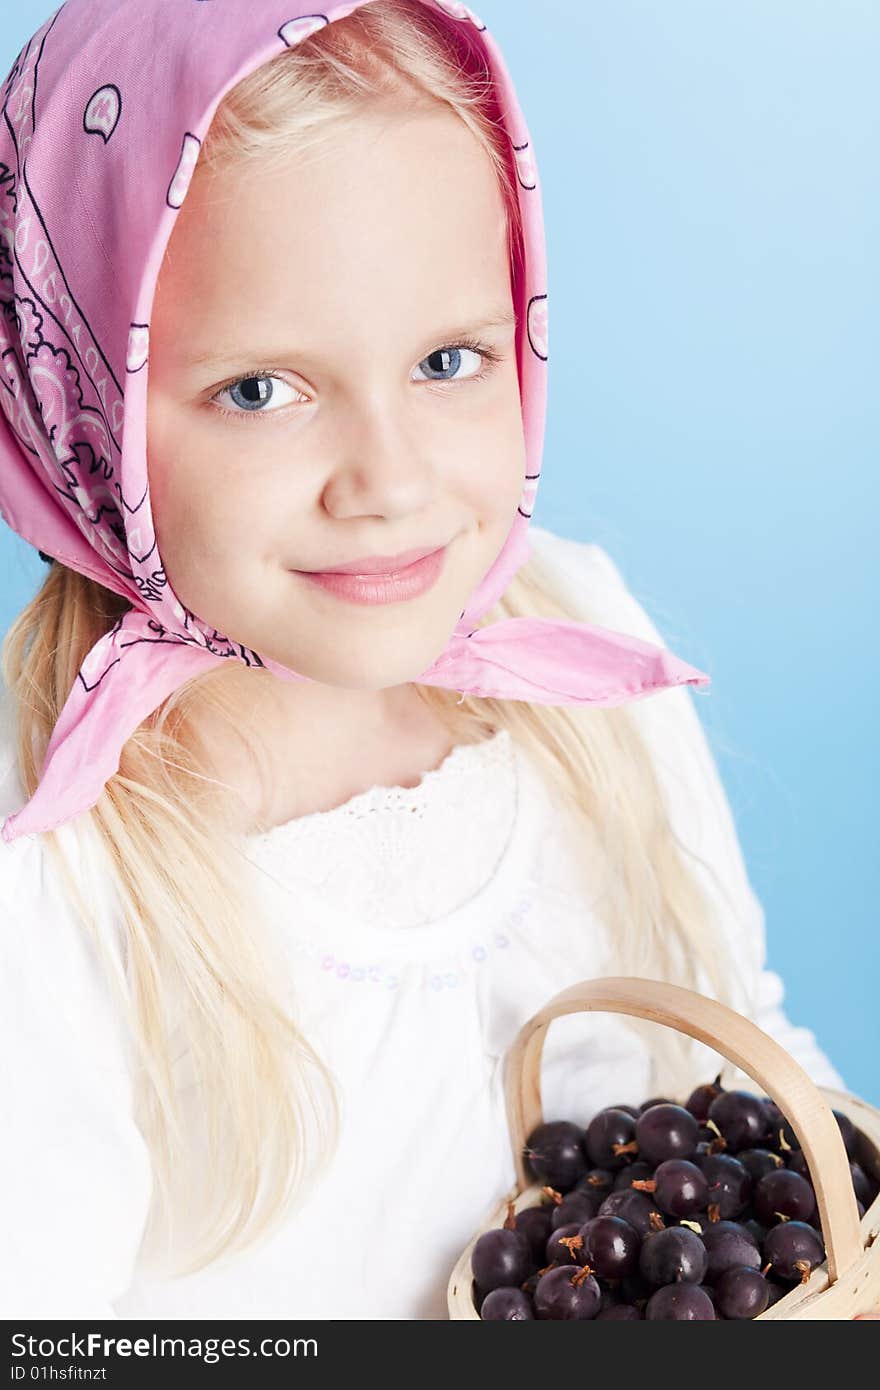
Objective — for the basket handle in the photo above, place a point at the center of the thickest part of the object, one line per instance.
(735, 1038)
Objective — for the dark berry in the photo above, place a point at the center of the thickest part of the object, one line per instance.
(633, 1172)
(534, 1223)
(793, 1249)
(575, 1206)
(680, 1303)
(784, 1195)
(529, 1285)
(666, 1131)
(759, 1162)
(729, 1183)
(565, 1254)
(611, 1247)
(599, 1180)
(680, 1188)
(848, 1132)
(501, 1257)
(741, 1118)
(741, 1292)
(796, 1161)
(610, 1139)
(634, 1288)
(698, 1101)
(620, 1312)
(784, 1139)
(727, 1245)
(567, 1294)
(506, 1305)
(861, 1184)
(635, 1208)
(755, 1230)
(775, 1118)
(673, 1256)
(554, 1154)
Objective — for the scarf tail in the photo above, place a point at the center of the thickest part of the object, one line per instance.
(126, 675)
(554, 662)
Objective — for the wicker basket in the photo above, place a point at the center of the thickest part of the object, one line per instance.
(848, 1282)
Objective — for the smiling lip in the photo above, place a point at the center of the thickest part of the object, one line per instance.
(382, 586)
(379, 564)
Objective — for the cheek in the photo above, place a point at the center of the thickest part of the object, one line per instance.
(178, 512)
(203, 498)
(167, 507)
(496, 464)
(194, 519)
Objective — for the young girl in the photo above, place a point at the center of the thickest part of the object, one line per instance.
(301, 828)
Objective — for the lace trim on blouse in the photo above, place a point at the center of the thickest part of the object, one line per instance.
(397, 856)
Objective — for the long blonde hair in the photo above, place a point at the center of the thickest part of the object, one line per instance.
(197, 978)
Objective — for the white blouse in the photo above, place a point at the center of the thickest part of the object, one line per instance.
(423, 926)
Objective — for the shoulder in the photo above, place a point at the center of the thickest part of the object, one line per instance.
(671, 729)
(27, 850)
(17, 860)
(594, 590)
(9, 788)
(593, 583)
(75, 1158)
(573, 557)
(46, 953)
(597, 591)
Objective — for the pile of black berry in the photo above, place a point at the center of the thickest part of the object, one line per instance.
(694, 1212)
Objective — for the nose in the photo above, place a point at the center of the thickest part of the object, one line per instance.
(382, 467)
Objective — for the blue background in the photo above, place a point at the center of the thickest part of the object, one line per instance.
(713, 215)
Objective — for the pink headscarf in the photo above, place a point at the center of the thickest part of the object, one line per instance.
(104, 114)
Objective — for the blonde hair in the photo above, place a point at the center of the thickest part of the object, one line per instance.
(194, 957)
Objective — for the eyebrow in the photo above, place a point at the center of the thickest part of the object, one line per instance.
(500, 318)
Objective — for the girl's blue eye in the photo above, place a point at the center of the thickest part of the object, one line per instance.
(254, 391)
(437, 361)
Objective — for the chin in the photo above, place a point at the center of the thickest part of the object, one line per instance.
(375, 671)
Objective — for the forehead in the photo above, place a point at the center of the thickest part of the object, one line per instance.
(396, 214)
